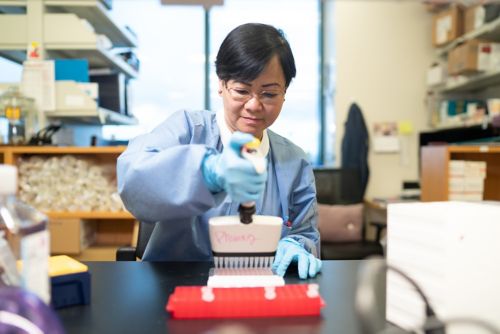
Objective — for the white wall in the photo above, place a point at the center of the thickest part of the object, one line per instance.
(382, 51)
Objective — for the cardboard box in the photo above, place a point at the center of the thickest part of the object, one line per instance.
(437, 74)
(447, 25)
(474, 56)
(474, 18)
(463, 58)
(70, 236)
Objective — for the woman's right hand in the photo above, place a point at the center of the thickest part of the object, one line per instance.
(232, 173)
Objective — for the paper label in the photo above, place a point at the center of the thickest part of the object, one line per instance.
(35, 256)
(442, 29)
(74, 101)
(479, 16)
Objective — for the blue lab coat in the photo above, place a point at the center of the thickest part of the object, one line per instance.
(160, 180)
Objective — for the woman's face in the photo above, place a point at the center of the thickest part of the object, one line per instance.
(252, 107)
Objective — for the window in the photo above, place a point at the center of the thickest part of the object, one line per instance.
(172, 54)
(9, 72)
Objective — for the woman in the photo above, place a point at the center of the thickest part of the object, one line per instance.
(190, 169)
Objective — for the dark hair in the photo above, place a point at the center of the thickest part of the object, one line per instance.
(248, 48)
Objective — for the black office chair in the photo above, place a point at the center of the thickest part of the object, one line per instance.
(130, 253)
(341, 186)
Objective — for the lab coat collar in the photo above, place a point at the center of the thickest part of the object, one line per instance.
(225, 134)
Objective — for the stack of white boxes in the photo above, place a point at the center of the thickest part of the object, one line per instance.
(466, 180)
(451, 250)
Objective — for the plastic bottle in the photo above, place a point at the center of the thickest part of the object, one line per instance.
(23, 231)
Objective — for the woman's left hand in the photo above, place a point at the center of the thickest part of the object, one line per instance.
(289, 250)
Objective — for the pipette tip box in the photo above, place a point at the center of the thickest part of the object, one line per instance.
(70, 282)
(202, 302)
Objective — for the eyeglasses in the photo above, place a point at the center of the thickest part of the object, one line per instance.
(269, 97)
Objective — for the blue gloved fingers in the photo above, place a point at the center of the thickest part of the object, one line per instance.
(238, 139)
(245, 192)
(303, 265)
(314, 265)
(289, 256)
(254, 188)
(319, 265)
(240, 196)
(208, 167)
(280, 252)
(236, 163)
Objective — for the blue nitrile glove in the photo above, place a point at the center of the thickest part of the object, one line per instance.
(291, 250)
(230, 172)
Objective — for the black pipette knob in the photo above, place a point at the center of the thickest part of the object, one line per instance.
(246, 213)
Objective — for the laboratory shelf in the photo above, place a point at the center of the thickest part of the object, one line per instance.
(91, 10)
(75, 41)
(97, 253)
(471, 82)
(488, 32)
(100, 116)
(89, 215)
(434, 166)
(96, 14)
(13, 6)
(113, 228)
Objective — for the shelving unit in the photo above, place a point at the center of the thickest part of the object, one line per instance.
(489, 31)
(97, 15)
(465, 87)
(471, 83)
(434, 166)
(88, 28)
(97, 116)
(100, 155)
(75, 40)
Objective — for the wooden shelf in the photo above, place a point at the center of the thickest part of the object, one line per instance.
(9, 154)
(435, 164)
(97, 253)
(63, 149)
(89, 215)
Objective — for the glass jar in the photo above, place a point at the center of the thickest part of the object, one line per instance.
(15, 107)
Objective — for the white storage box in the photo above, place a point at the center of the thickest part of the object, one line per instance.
(451, 250)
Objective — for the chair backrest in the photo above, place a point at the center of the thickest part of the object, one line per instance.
(338, 186)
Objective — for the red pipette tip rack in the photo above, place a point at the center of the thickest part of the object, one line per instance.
(202, 302)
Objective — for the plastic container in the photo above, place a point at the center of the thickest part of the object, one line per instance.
(24, 312)
(203, 302)
(18, 110)
(24, 240)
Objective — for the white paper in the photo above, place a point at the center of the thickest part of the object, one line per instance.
(35, 255)
(386, 144)
(442, 29)
(38, 82)
(74, 101)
